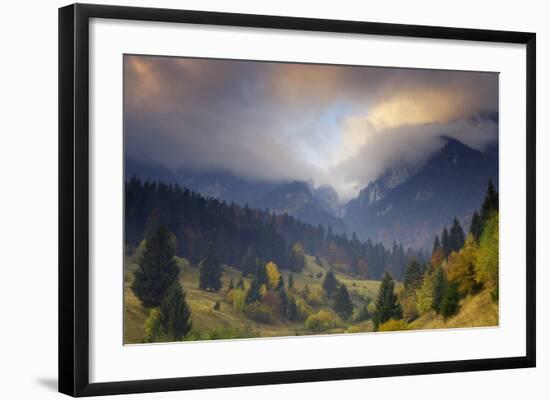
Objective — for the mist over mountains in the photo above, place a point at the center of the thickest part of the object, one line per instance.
(407, 204)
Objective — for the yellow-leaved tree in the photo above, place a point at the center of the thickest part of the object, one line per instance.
(487, 257)
(461, 267)
(273, 274)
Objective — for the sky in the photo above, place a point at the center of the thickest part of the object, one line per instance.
(326, 124)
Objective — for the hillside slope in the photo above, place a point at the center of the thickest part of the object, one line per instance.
(475, 311)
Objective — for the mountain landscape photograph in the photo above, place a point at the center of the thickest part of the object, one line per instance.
(266, 199)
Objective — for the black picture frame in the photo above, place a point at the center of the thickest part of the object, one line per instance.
(74, 198)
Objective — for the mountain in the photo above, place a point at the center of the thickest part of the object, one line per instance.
(298, 199)
(214, 184)
(412, 206)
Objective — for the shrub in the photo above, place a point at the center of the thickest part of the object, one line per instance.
(259, 312)
(394, 325)
(236, 297)
(153, 327)
(321, 321)
(409, 306)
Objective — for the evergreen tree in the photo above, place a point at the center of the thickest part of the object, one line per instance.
(231, 284)
(175, 313)
(456, 236)
(387, 306)
(445, 242)
(476, 226)
(210, 271)
(330, 284)
(157, 268)
(292, 310)
(413, 275)
(281, 292)
(439, 288)
(343, 305)
(253, 294)
(449, 303)
(490, 202)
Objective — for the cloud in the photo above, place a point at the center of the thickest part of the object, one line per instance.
(337, 125)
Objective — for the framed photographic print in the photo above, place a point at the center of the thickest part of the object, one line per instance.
(249, 199)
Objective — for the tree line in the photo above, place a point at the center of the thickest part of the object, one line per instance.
(240, 235)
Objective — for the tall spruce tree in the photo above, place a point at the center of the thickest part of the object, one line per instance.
(413, 275)
(456, 236)
(175, 313)
(330, 284)
(157, 268)
(439, 289)
(490, 202)
(254, 294)
(387, 306)
(343, 305)
(292, 310)
(210, 271)
(445, 245)
(476, 226)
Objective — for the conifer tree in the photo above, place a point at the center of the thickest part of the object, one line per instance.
(343, 305)
(387, 306)
(292, 310)
(449, 303)
(456, 236)
(476, 226)
(330, 284)
(210, 271)
(231, 284)
(439, 288)
(157, 268)
(281, 292)
(490, 202)
(254, 294)
(413, 275)
(175, 313)
(445, 242)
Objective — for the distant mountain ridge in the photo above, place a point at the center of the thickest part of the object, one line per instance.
(410, 207)
(297, 198)
(406, 204)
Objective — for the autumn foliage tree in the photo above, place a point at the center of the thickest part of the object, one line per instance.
(273, 275)
(487, 258)
(461, 267)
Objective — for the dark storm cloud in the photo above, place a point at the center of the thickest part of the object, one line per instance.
(275, 121)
